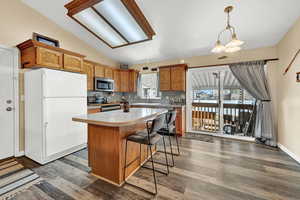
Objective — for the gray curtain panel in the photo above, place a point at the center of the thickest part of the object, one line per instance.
(252, 77)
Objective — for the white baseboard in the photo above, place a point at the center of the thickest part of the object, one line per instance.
(294, 156)
(19, 154)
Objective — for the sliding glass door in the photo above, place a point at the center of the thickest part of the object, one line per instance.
(206, 102)
(217, 104)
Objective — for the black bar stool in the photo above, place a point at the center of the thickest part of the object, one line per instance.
(170, 130)
(149, 137)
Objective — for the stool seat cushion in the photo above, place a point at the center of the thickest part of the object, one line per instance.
(142, 138)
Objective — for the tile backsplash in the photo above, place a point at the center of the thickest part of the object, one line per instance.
(166, 97)
(111, 97)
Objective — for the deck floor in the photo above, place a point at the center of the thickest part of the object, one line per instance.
(209, 168)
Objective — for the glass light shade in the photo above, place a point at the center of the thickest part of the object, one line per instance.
(118, 16)
(97, 25)
(235, 42)
(232, 49)
(218, 48)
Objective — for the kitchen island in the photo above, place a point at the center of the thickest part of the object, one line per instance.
(107, 132)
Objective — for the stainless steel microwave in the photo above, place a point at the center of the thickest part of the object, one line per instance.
(104, 85)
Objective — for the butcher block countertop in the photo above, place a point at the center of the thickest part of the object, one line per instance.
(118, 118)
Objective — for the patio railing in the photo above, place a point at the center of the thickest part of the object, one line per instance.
(205, 116)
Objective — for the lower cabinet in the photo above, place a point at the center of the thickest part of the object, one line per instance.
(94, 110)
(136, 155)
(180, 121)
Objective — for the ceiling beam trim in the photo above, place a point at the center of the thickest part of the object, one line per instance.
(77, 6)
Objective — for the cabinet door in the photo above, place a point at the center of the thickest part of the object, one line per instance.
(165, 79)
(88, 69)
(178, 78)
(180, 121)
(108, 72)
(99, 71)
(133, 81)
(49, 58)
(116, 77)
(124, 76)
(94, 110)
(72, 63)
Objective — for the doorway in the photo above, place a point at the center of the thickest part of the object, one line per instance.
(218, 105)
(9, 102)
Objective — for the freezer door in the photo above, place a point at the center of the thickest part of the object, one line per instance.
(61, 132)
(64, 84)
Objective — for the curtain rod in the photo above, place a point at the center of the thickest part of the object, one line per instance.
(217, 65)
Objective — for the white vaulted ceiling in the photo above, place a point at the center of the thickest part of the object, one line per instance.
(186, 28)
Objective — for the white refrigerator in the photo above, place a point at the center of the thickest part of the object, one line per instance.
(52, 98)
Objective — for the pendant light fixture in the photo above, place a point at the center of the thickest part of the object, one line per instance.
(235, 44)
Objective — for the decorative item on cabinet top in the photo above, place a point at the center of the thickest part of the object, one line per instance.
(45, 39)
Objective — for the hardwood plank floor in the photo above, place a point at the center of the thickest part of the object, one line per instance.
(212, 168)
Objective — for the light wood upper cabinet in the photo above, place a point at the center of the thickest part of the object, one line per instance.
(35, 54)
(108, 72)
(88, 69)
(178, 78)
(49, 58)
(72, 63)
(172, 78)
(165, 79)
(116, 77)
(124, 80)
(99, 71)
(133, 75)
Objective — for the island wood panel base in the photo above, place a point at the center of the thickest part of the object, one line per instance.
(106, 152)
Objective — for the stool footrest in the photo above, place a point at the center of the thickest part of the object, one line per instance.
(159, 171)
(161, 163)
(140, 188)
(174, 154)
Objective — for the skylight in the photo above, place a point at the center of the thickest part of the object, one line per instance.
(117, 23)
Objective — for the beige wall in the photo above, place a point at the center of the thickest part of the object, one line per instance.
(288, 91)
(285, 91)
(18, 22)
(246, 55)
